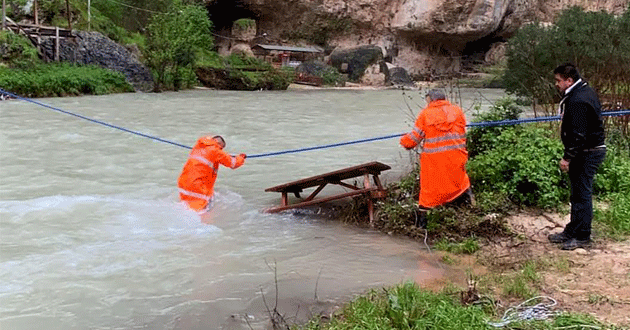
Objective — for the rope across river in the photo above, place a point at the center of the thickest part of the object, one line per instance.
(291, 151)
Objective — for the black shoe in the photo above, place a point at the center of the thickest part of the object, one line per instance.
(558, 238)
(573, 244)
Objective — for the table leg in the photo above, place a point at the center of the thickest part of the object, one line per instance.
(285, 199)
(366, 184)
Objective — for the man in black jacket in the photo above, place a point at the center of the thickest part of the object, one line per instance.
(582, 132)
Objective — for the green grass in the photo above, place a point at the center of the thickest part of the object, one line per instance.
(407, 306)
(467, 246)
(62, 79)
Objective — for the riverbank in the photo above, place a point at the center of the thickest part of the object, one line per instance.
(507, 271)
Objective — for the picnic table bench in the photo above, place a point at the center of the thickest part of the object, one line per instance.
(366, 170)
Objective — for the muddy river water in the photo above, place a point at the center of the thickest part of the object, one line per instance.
(92, 235)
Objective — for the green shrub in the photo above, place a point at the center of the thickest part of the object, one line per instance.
(62, 79)
(17, 50)
(174, 40)
(523, 164)
(587, 39)
(616, 216)
(244, 23)
(613, 175)
(480, 139)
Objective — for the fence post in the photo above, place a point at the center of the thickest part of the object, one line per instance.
(56, 44)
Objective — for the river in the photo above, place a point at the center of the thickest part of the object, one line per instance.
(92, 235)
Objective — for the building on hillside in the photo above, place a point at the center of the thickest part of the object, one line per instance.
(286, 55)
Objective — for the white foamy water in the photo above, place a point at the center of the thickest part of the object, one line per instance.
(92, 235)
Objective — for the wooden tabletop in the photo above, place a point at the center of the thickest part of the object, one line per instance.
(374, 168)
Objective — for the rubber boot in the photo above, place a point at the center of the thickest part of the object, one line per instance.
(421, 218)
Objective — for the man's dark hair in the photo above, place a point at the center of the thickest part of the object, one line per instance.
(568, 70)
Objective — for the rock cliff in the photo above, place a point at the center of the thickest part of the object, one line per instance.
(428, 38)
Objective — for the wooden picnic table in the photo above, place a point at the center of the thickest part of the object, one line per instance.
(366, 170)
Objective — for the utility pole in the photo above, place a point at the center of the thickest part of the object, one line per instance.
(89, 15)
(4, 15)
(68, 14)
(35, 12)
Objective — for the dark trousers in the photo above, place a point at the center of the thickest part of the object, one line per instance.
(582, 169)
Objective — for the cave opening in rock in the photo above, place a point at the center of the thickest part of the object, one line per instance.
(223, 13)
(474, 52)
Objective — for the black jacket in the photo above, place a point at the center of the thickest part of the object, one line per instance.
(582, 125)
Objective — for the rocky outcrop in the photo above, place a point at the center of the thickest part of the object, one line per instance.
(243, 33)
(355, 61)
(428, 38)
(95, 48)
(398, 76)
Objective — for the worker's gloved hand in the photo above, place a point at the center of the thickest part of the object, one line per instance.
(243, 155)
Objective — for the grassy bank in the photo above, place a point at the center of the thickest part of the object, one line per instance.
(407, 306)
(62, 79)
(23, 73)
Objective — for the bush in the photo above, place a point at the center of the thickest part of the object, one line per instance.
(174, 40)
(613, 175)
(62, 79)
(617, 215)
(588, 39)
(524, 165)
(480, 139)
(17, 50)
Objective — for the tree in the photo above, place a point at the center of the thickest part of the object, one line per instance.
(174, 38)
(597, 42)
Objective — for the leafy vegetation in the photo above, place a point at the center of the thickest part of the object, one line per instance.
(245, 23)
(25, 74)
(16, 50)
(406, 306)
(62, 79)
(174, 40)
(597, 42)
(242, 72)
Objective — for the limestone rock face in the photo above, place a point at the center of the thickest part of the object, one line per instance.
(355, 61)
(426, 37)
(243, 33)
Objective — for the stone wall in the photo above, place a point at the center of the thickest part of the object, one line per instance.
(95, 48)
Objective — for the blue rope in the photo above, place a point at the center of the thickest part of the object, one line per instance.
(325, 146)
(479, 124)
(2, 91)
(385, 137)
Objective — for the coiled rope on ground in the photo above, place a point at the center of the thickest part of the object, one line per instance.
(526, 312)
(325, 146)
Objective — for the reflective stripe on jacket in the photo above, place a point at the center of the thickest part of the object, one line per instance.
(196, 182)
(441, 129)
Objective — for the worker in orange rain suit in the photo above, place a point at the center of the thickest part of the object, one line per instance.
(441, 128)
(196, 183)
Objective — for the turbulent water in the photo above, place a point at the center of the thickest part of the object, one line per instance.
(92, 235)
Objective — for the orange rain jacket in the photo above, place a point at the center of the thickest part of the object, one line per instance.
(196, 183)
(441, 127)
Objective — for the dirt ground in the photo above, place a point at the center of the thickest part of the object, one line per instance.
(595, 281)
